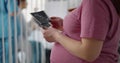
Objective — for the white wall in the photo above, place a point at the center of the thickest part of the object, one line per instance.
(59, 7)
(56, 8)
(52, 7)
(32, 4)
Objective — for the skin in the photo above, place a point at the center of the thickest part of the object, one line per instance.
(23, 4)
(57, 23)
(87, 48)
(71, 9)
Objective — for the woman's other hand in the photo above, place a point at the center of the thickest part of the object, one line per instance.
(57, 23)
(50, 34)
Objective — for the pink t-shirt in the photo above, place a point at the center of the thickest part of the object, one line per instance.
(96, 19)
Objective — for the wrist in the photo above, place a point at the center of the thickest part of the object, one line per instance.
(58, 36)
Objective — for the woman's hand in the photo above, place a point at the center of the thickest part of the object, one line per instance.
(57, 23)
(50, 34)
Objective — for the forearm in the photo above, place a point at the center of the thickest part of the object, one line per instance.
(76, 48)
(87, 48)
(70, 44)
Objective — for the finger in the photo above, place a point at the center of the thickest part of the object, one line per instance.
(45, 28)
(53, 17)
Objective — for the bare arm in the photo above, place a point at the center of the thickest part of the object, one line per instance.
(87, 49)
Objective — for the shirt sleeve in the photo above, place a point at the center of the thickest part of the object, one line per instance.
(12, 6)
(94, 19)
